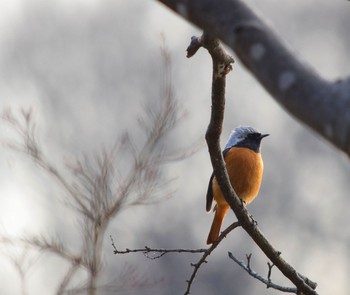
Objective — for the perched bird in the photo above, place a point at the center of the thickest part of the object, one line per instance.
(245, 169)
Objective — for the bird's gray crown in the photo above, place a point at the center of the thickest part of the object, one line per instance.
(239, 134)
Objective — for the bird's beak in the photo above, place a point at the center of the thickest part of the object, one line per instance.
(264, 135)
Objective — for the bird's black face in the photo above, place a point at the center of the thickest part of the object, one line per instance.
(252, 141)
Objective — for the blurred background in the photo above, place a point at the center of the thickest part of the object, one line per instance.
(88, 68)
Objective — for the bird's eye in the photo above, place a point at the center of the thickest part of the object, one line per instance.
(253, 135)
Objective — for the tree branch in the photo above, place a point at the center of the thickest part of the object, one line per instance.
(206, 252)
(147, 250)
(321, 105)
(212, 136)
(255, 275)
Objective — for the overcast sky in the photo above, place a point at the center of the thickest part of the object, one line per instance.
(87, 68)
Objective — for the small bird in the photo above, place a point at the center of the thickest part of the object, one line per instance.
(245, 169)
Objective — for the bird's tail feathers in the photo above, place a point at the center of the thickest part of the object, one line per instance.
(219, 216)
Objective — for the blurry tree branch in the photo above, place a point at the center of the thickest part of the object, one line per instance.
(221, 66)
(98, 187)
(23, 262)
(322, 105)
(94, 193)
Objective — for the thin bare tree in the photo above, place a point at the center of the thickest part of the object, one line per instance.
(97, 187)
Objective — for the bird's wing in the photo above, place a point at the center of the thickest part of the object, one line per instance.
(210, 187)
(210, 193)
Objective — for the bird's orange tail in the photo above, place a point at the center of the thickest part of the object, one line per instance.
(220, 214)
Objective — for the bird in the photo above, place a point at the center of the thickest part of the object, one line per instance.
(245, 168)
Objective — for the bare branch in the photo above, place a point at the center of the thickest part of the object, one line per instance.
(207, 253)
(321, 105)
(270, 266)
(255, 275)
(146, 250)
(23, 263)
(44, 244)
(212, 136)
(68, 276)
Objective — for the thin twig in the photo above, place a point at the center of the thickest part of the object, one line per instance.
(270, 266)
(162, 252)
(159, 250)
(267, 282)
(207, 253)
(146, 250)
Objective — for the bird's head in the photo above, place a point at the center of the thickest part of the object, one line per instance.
(245, 136)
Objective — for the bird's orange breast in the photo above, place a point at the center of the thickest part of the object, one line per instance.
(245, 169)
